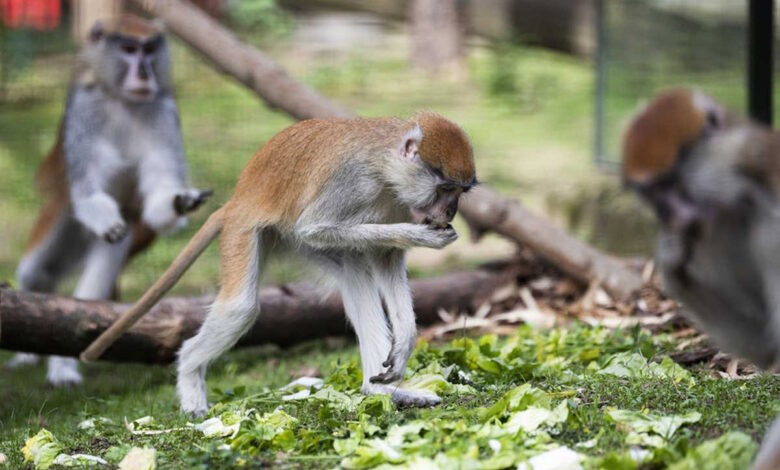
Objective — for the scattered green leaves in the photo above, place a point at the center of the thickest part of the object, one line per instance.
(529, 401)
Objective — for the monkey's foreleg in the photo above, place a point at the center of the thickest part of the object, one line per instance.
(100, 214)
(231, 315)
(369, 236)
(389, 269)
(363, 307)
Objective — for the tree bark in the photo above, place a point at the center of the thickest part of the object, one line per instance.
(241, 61)
(63, 326)
(483, 209)
(438, 36)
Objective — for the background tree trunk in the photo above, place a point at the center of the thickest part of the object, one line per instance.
(438, 33)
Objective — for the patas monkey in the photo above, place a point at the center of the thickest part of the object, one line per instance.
(116, 174)
(343, 193)
(714, 184)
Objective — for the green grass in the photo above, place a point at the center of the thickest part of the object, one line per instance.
(561, 363)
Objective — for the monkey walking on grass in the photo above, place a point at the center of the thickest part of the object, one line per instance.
(714, 184)
(116, 175)
(351, 196)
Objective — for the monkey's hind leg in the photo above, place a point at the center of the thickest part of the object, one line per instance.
(389, 269)
(102, 267)
(363, 308)
(233, 312)
(56, 245)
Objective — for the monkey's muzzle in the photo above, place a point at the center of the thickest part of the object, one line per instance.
(433, 218)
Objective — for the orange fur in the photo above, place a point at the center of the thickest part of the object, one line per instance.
(132, 26)
(655, 137)
(235, 247)
(53, 184)
(288, 172)
(446, 147)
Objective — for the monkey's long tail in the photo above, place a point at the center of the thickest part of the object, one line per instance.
(199, 242)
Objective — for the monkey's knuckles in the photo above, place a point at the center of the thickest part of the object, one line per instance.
(115, 233)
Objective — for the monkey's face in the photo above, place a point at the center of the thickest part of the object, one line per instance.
(134, 66)
(437, 166)
(658, 143)
(442, 210)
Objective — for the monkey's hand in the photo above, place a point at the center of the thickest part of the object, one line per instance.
(432, 237)
(100, 214)
(190, 200)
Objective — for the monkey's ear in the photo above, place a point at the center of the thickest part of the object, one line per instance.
(410, 147)
(96, 32)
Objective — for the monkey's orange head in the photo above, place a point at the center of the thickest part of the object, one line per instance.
(446, 148)
(663, 129)
(127, 25)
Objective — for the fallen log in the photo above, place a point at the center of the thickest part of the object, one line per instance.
(51, 324)
(485, 209)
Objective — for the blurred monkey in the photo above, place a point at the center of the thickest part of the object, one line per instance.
(714, 184)
(116, 175)
(342, 193)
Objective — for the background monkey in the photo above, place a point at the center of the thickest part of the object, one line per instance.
(342, 193)
(715, 185)
(117, 169)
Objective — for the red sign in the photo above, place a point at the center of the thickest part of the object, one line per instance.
(42, 15)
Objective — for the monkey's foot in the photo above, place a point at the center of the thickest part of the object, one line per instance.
(403, 397)
(22, 360)
(190, 200)
(192, 395)
(195, 413)
(63, 372)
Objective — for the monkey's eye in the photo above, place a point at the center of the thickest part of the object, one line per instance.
(129, 48)
(149, 48)
(447, 188)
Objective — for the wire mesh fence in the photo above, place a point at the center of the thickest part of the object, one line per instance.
(649, 45)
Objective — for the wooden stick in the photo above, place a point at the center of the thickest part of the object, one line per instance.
(175, 271)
